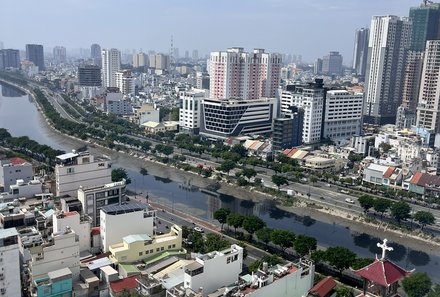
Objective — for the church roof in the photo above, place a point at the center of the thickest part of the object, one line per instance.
(382, 272)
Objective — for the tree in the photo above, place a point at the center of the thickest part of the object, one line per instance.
(214, 242)
(283, 238)
(277, 167)
(384, 147)
(313, 179)
(221, 215)
(435, 291)
(239, 149)
(252, 224)
(318, 256)
(227, 166)
(401, 211)
(304, 244)
(344, 291)
(248, 173)
(381, 205)
(241, 181)
(361, 262)
(264, 234)
(424, 218)
(235, 220)
(367, 202)
(279, 180)
(417, 284)
(282, 158)
(258, 181)
(118, 174)
(271, 260)
(339, 257)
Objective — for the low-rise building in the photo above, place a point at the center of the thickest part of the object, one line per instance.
(154, 127)
(14, 169)
(423, 184)
(95, 197)
(382, 175)
(146, 113)
(22, 190)
(116, 103)
(81, 224)
(56, 283)
(118, 221)
(137, 247)
(320, 163)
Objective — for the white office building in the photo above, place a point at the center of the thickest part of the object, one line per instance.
(428, 110)
(388, 42)
(189, 111)
(311, 99)
(9, 263)
(118, 221)
(95, 197)
(214, 270)
(125, 82)
(221, 119)
(80, 224)
(80, 169)
(111, 63)
(343, 115)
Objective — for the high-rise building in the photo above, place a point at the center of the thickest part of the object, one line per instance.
(317, 66)
(125, 82)
(311, 99)
(389, 40)
(162, 62)
(111, 63)
(237, 74)
(187, 54)
(189, 111)
(428, 110)
(195, 55)
(287, 131)
(332, 64)
(140, 60)
(10, 263)
(425, 21)
(59, 54)
(9, 58)
(95, 53)
(176, 53)
(2, 46)
(89, 76)
(360, 53)
(35, 54)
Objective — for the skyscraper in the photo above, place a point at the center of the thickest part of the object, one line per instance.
(35, 54)
(89, 76)
(389, 40)
(241, 75)
(140, 60)
(59, 54)
(195, 55)
(428, 110)
(9, 58)
(111, 63)
(425, 21)
(360, 53)
(332, 64)
(95, 53)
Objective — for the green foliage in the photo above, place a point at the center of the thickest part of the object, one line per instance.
(271, 260)
(354, 157)
(313, 179)
(227, 166)
(381, 205)
(424, 218)
(279, 180)
(318, 256)
(252, 224)
(361, 262)
(283, 238)
(264, 234)
(258, 181)
(304, 244)
(343, 291)
(339, 257)
(241, 181)
(235, 220)
(221, 215)
(118, 174)
(164, 149)
(366, 202)
(400, 211)
(434, 292)
(214, 242)
(248, 173)
(239, 149)
(384, 147)
(417, 284)
(282, 158)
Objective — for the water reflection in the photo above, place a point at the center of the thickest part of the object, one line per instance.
(7, 91)
(163, 179)
(362, 240)
(418, 258)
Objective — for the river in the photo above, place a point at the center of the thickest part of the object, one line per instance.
(20, 116)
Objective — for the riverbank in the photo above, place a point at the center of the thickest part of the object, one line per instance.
(184, 177)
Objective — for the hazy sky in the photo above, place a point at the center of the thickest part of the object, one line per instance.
(308, 27)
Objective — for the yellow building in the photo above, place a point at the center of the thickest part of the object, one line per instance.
(138, 247)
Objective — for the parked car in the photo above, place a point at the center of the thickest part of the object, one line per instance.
(349, 200)
(198, 229)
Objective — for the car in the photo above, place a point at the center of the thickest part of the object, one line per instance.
(349, 200)
(198, 229)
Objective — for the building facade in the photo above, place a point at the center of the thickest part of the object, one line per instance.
(9, 263)
(89, 76)
(343, 115)
(9, 58)
(190, 110)
(235, 74)
(225, 118)
(80, 224)
(332, 64)
(388, 42)
(80, 169)
(12, 170)
(59, 54)
(125, 82)
(140, 60)
(95, 54)
(35, 54)
(360, 52)
(116, 103)
(137, 218)
(311, 99)
(287, 131)
(111, 63)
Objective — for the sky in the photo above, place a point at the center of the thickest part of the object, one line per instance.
(310, 28)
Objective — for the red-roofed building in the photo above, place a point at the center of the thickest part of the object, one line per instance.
(14, 169)
(381, 277)
(128, 284)
(324, 288)
(18, 161)
(423, 183)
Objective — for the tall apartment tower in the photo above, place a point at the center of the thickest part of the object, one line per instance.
(332, 64)
(425, 21)
(140, 60)
(9, 263)
(35, 54)
(95, 53)
(240, 75)
(360, 53)
(389, 40)
(111, 63)
(59, 54)
(9, 58)
(428, 110)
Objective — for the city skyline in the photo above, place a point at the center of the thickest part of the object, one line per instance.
(99, 22)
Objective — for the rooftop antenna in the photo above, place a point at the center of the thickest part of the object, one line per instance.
(172, 51)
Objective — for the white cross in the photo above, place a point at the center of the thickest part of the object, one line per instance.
(384, 248)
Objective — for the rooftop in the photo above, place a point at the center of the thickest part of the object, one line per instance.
(128, 283)
(125, 207)
(382, 272)
(136, 237)
(9, 232)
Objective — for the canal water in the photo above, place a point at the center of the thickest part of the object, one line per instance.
(19, 115)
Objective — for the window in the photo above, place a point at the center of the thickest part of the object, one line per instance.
(157, 249)
(228, 260)
(140, 253)
(162, 248)
(151, 251)
(70, 170)
(100, 195)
